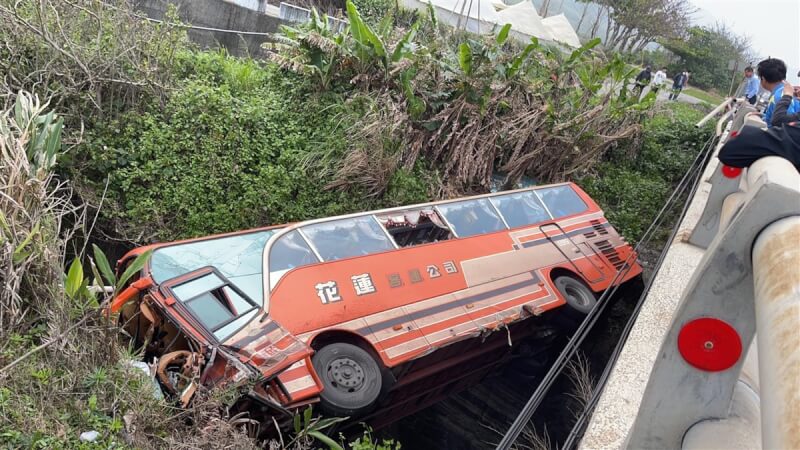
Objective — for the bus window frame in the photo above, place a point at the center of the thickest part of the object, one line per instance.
(553, 218)
(486, 197)
(499, 214)
(541, 200)
(267, 285)
(167, 289)
(532, 191)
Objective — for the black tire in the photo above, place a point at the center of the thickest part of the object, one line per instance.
(579, 297)
(351, 378)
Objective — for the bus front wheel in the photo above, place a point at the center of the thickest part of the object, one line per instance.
(578, 296)
(351, 379)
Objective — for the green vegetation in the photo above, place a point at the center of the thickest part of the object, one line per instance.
(709, 97)
(222, 154)
(162, 141)
(633, 186)
(344, 122)
(466, 105)
(706, 53)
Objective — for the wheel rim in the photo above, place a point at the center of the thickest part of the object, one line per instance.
(578, 297)
(346, 374)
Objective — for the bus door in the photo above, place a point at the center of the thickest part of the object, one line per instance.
(580, 259)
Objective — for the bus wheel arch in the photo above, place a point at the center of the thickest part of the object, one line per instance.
(351, 372)
(579, 296)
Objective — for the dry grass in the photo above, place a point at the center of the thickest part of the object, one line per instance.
(62, 371)
(578, 371)
(34, 211)
(530, 438)
(533, 439)
(66, 49)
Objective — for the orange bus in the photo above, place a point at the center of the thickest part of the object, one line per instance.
(332, 310)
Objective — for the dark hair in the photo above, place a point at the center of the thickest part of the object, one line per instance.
(748, 69)
(772, 70)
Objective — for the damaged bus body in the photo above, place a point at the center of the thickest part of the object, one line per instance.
(346, 310)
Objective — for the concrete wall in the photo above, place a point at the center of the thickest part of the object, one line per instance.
(219, 14)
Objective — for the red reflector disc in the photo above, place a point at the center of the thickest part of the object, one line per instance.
(731, 172)
(709, 344)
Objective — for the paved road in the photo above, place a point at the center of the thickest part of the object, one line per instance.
(663, 95)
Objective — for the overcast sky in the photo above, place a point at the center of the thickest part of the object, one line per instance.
(773, 26)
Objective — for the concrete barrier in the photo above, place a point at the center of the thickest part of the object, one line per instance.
(692, 374)
(736, 289)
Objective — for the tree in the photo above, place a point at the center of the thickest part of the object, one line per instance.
(632, 24)
(706, 52)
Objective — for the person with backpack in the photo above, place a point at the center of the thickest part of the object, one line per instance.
(677, 84)
(642, 80)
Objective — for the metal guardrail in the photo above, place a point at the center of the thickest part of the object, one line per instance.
(725, 180)
(292, 13)
(748, 280)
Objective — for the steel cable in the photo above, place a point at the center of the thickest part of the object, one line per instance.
(580, 334)
(578, 427)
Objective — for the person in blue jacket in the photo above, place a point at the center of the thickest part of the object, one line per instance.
(772, 72)
(751, 85)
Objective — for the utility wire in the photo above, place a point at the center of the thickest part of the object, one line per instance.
(580, 334)
(579, 426)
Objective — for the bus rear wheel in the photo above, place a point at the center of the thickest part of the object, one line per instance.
(577, 294)
(351, 379)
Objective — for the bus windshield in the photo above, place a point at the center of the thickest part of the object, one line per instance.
(238, 258)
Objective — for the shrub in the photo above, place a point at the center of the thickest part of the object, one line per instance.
(633, 190)
(374, 10)
(671, 141)
(630, 198)
(214, 162)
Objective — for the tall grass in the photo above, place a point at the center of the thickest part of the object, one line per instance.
(62, 372)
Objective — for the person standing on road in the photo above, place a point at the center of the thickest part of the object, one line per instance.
(772, 72)
(642, 80)
(658, 80)
(677, 85)
(751, 85)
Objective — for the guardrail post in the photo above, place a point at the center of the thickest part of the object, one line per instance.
(741, 114)
(724, 181)
(700, 359)
(776, 270)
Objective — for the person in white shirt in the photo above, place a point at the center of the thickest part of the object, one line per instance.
(658, 80)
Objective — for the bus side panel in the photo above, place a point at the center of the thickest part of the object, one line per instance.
(324, 295)
(300, 381)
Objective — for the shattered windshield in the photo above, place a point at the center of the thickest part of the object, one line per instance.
(238, 257)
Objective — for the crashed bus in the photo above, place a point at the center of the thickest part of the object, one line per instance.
(339, 310)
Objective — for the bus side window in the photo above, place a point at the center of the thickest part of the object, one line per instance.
(562, 201)
(288, 252)
(520, 208)
(415, 227)
(471, 217)
(344, 238)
